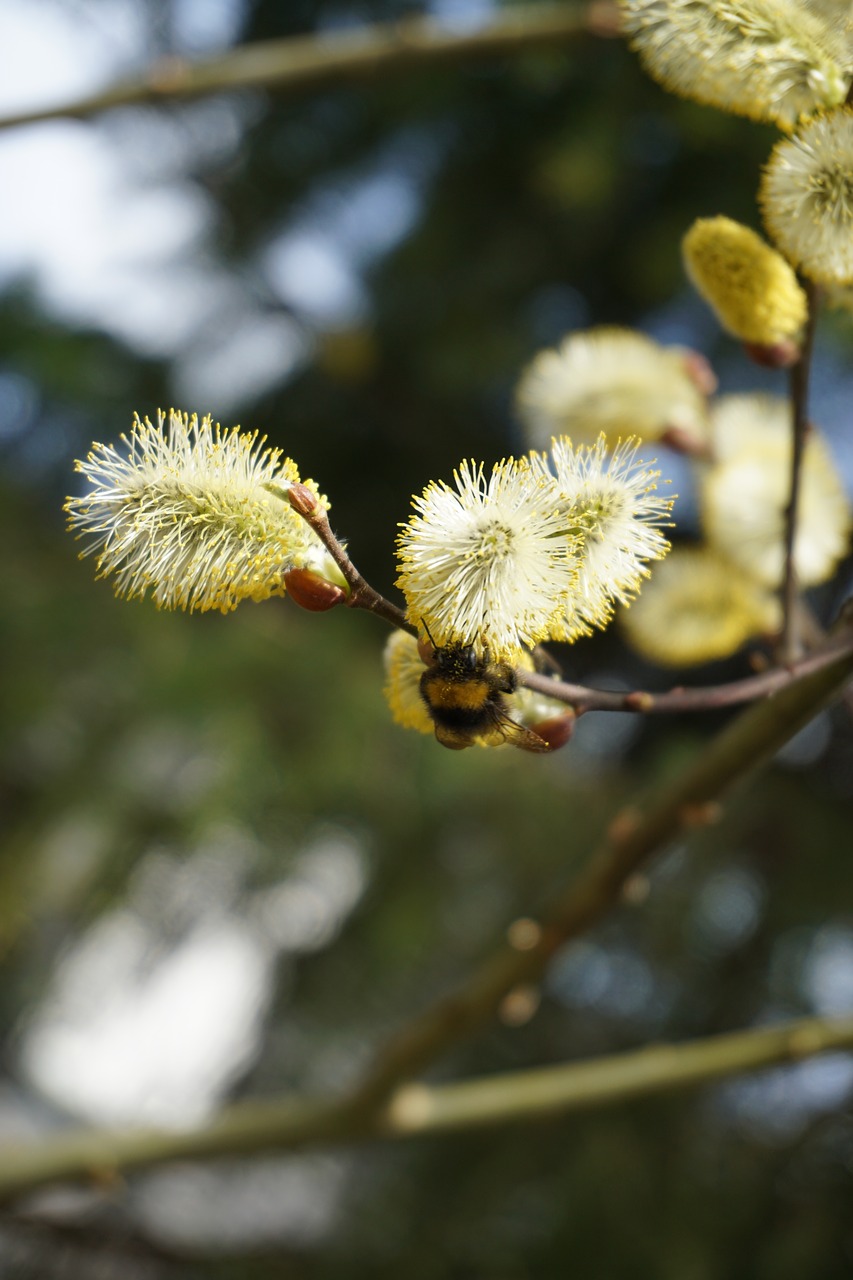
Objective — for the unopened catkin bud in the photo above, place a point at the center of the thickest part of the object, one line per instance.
(751, 288)
(313, 592)
(304, 500)
(556, 731)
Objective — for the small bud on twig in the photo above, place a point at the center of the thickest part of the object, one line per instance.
(524, 934)
(778, 355)
(519, 1005)
(637, 700)
(623, 825)
(312, 592)
(701, 814)
(303, 500)
(556, 731)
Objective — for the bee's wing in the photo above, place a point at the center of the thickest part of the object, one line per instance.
(518, 735)
(501, 729)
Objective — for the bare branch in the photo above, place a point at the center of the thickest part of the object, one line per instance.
(577, 1086)
(701, 698)
(362, 594)
(308, 64)
(296, 1122)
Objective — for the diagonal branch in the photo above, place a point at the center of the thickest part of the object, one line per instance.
(635, 835)
(361, 594)
(308, 64)
(414, 1110)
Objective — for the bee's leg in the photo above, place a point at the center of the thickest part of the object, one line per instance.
(546, 663)
(506, 681)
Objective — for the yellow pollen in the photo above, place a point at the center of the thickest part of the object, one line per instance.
(832, 193)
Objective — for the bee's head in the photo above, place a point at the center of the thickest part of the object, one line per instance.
(460, 658)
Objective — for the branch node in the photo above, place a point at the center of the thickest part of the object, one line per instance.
(703, 814)
(304, 501)
(624, 825)
(410, 1107)
(524, 934)
(636, 890)
(805, 1041)
(169, 75)
(519, 1005)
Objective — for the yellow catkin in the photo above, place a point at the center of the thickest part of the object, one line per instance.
(770, 61)
(806, 197)
(750, 287)
(404, 667)
(194, 515)
(698, 608)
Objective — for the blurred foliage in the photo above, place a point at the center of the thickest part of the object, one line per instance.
(553, 193)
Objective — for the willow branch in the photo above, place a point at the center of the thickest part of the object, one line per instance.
(635, 835)
(306, 64)
(579, 697)
(297, 1122)
(526, 1095)
(790, 647)
(362, 595)
(701, 698)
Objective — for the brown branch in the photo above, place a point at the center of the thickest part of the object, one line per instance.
(701, 698)
(362, 595)
(790, 647)
(579, 697)
(310, 63)
(414, 1110)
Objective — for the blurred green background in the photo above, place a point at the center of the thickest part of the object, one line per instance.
(224, 871)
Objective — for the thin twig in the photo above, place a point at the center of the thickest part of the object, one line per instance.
(307, 64)
(790, 648)
(579, 697)
(701, 698)
(415, 1110)
(362, 594)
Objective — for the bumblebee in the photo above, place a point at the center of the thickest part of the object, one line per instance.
(464, 695)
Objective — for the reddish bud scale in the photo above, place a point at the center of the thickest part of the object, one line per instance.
(556, 731)
(303, 500)
(700, 371)
(637, 700)
(781, 355)
(426, 651)
(311, 592)
(681, 441)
